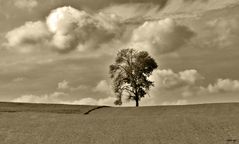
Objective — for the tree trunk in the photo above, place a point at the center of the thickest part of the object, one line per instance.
(137, 99)
(137, 102)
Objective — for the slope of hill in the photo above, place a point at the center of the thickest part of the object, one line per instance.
(64, 124)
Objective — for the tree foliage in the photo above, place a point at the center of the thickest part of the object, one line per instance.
(130, 74)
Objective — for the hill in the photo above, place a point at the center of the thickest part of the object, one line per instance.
(66, 124)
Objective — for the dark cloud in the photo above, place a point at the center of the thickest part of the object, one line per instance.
(26, 4)
(163, 36)
(195, 0)
(106, 3)
(219, 33)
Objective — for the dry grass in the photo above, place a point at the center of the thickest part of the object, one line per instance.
(62, 124)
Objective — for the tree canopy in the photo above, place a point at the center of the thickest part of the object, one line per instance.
(130, 74)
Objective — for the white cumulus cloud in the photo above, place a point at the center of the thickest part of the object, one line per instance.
(167, 79)
(177, 102)
(74, 29)
(63, 85)
(64, 30)
(47, 98)
(109, 101)
(223, 85)
(103, 86)
(28, 36)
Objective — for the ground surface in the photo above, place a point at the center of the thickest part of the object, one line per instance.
(62, 124)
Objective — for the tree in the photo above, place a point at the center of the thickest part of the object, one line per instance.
(130, 74)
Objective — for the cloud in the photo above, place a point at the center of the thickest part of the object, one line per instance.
(60, 97)
(190, 76)
(103, 87)
(26, 4)
(223, 86)
(79, 88)
(63, 85)
(64, 30)
(195, 0)
(51, 98)
(56, 97)
(172, 87)
(28, 37)
(131, 11)
(187, 83)
(218, 33)
(18, 79)
(86, 101)
(74, 29)
(140, 10)
(163, 36)
(178, 102)
(181, 95)
(109, 101)
(167, 79)
(225, 32)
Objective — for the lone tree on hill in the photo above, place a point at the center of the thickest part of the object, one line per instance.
(130, 74)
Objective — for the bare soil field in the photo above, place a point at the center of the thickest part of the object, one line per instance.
(66, 124)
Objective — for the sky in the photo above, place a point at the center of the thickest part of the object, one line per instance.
(59, 51)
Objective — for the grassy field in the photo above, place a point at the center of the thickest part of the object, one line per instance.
(64, 124)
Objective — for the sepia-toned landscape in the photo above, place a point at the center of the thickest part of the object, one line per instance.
(119, 71)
